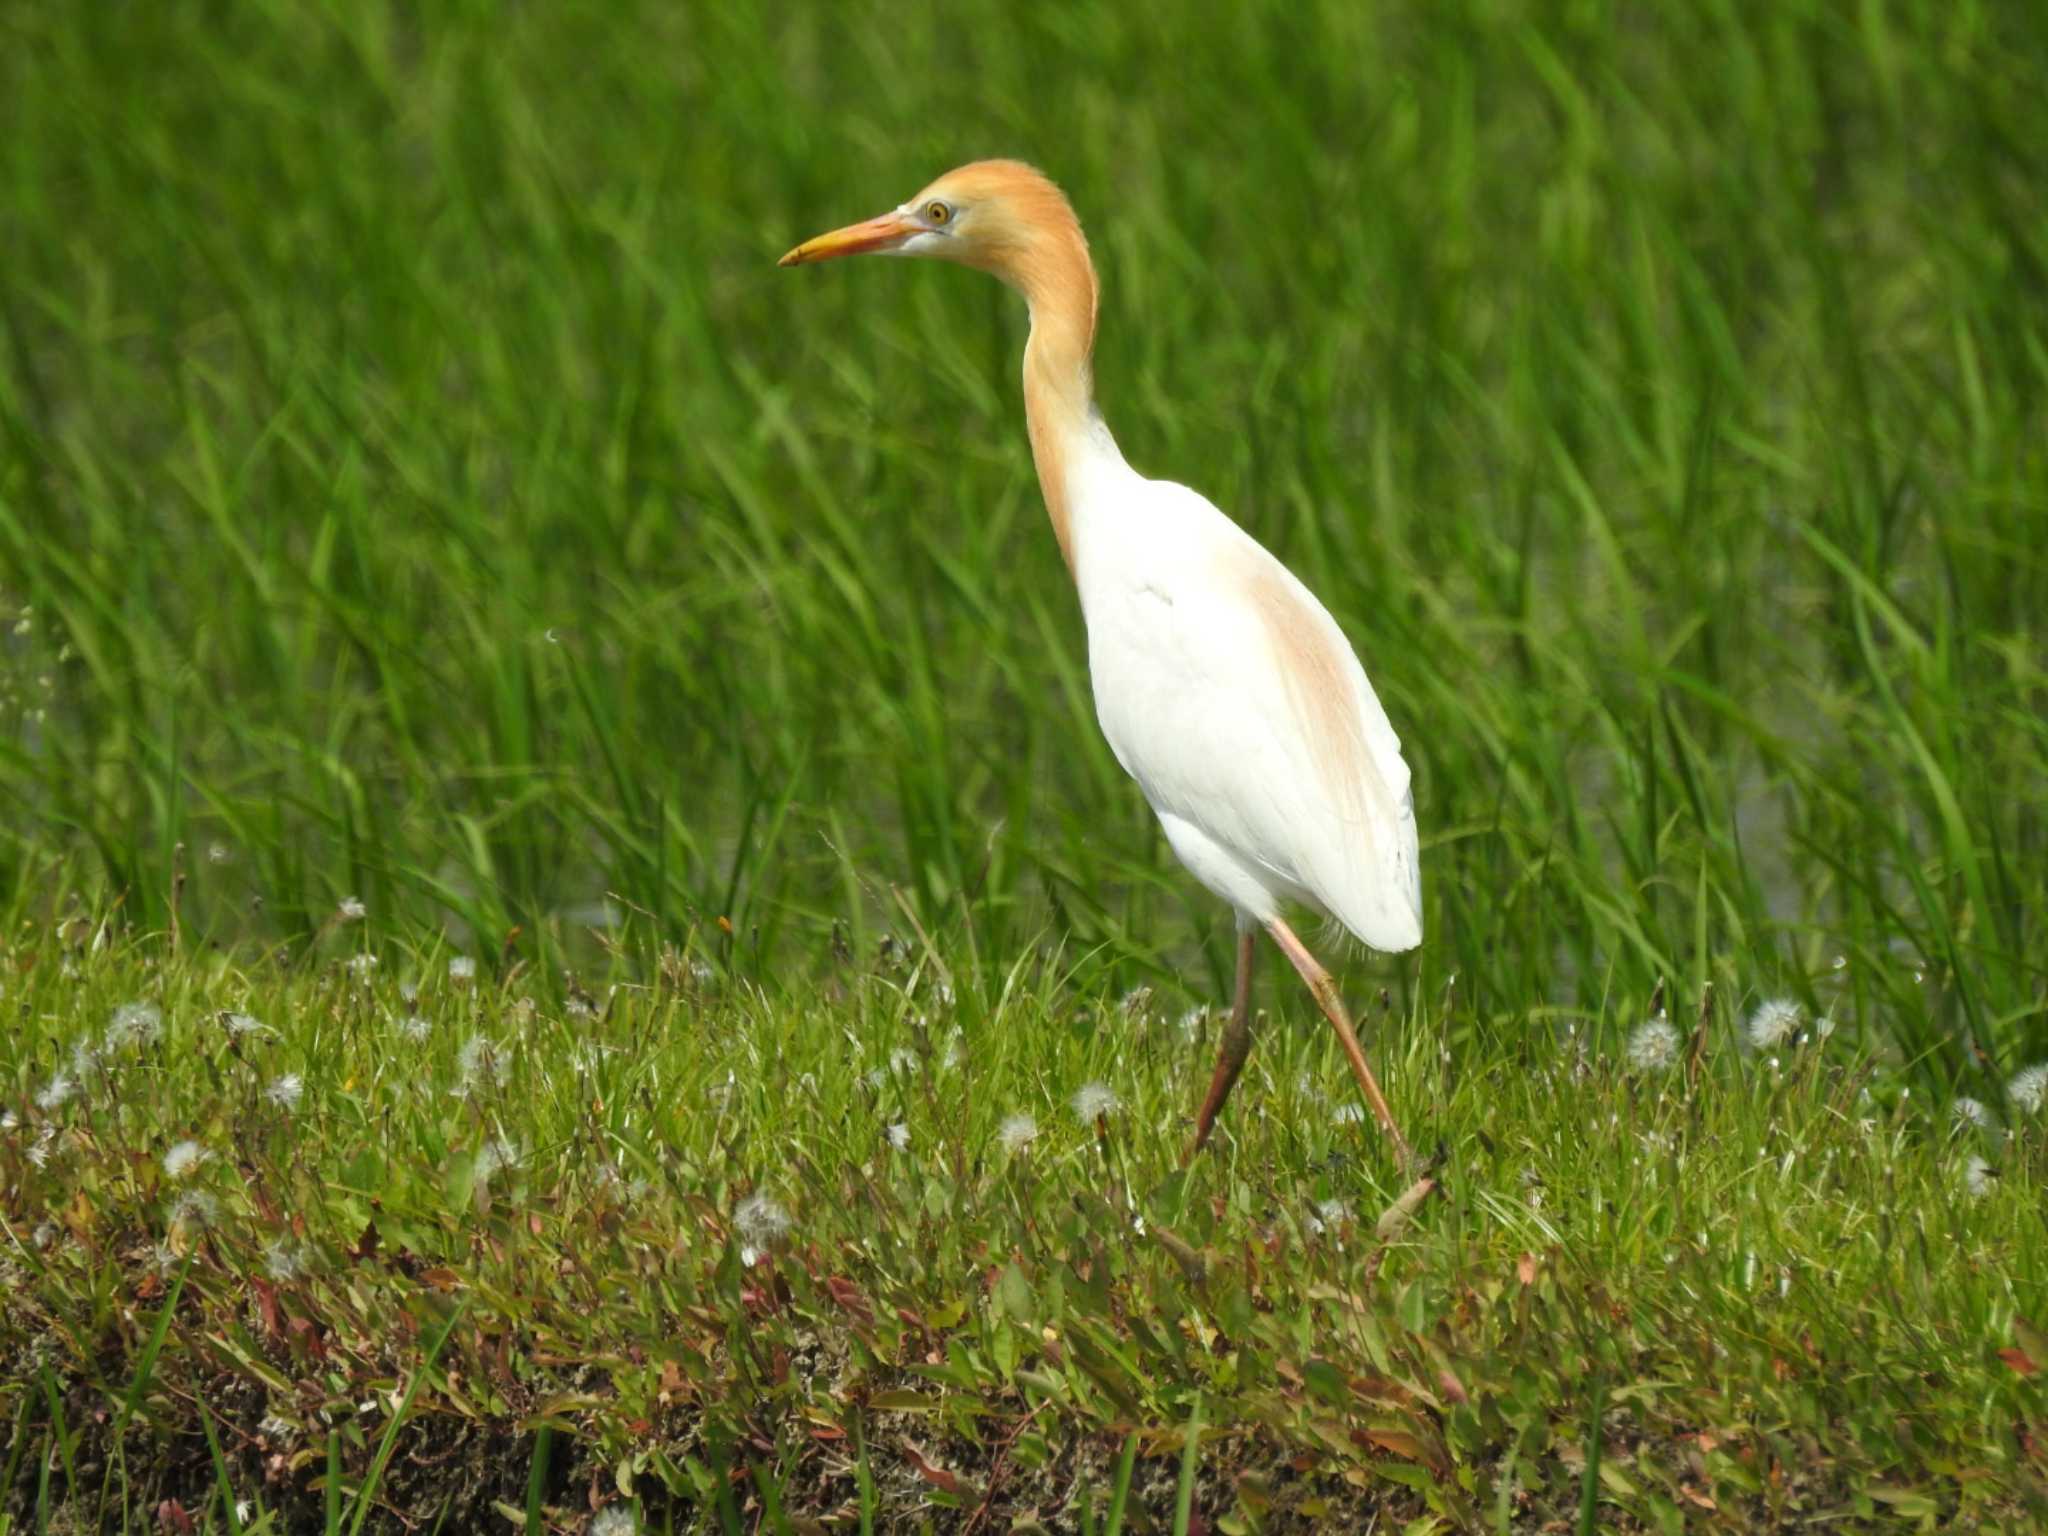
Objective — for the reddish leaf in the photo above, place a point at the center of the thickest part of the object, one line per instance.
(1525, 1267)
(848, 1295)
(303, 1332)
(171, 1516)
(367, 1243)
(266, 1305)
(1454, 1389)
(1397, 1443)
(938, 1477)
(441, 1278)
(2020, 1361)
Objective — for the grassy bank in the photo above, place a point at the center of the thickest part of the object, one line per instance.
(746, 1260)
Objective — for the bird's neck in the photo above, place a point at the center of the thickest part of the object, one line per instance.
(1058, 281)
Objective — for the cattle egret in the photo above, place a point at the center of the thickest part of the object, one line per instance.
(1224, 688)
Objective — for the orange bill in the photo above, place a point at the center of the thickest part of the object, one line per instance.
(882, 233)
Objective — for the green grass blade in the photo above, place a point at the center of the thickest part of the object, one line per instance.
(1190, 1460)
(1120, 1491)
(366, 1494)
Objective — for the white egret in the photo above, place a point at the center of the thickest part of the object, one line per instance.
(1223, 686)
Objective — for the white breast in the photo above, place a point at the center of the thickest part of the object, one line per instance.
(1231, 696)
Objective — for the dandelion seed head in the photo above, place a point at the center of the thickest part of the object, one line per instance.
(350, 909)
(1653, 1047)
(219, 853)
(183, 1159)
(2029, 1087)
(1092, 1101)
(1330, 1213)
(762, 1224)
(1972, 1112)
(285, 1091)
(39, 1152)
(363, 967)
(1977, 1177)
(615, 1520)
(494, 1157)
(195, 1208)
(1017, 1133)
(414, 1028)
(134, 1024)
(1773, 1022)
(899, 1136)
(86, 1059)
(461, 968)
(57, 1091)
(480, 1063)
(240, 1024)
(283, 1259)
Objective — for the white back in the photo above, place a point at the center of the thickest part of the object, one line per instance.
(1233, 698)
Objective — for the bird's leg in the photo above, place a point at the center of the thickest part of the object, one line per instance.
(1324, 986)
(1237, 1044)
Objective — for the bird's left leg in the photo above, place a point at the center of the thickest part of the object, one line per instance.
(1237, 1044)
(1324, 986)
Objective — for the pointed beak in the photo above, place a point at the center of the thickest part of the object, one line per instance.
(883, 233)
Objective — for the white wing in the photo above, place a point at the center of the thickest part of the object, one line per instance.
(1230, 694)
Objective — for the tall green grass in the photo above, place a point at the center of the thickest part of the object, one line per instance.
(440, 497)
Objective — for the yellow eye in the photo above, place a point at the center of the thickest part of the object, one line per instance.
(937, 211)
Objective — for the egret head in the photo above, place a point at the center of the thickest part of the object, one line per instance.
(1002, 216)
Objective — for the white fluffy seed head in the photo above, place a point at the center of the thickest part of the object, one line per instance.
(285, 1091)
(1654, 1046)
(2029, 1088)
(134, 1024)
(761, 1219)
(1977, 1177)
(195, 1208)
(899, 1136)
(283, 1259)
(495, 1157)
(1094, 1100)
(183, 1159)
(56, 1091)
(350, 909)
(1972, 1113)
(1017, 1133)
(1773, 1022)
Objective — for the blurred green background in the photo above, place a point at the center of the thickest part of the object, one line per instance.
(418, 481)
